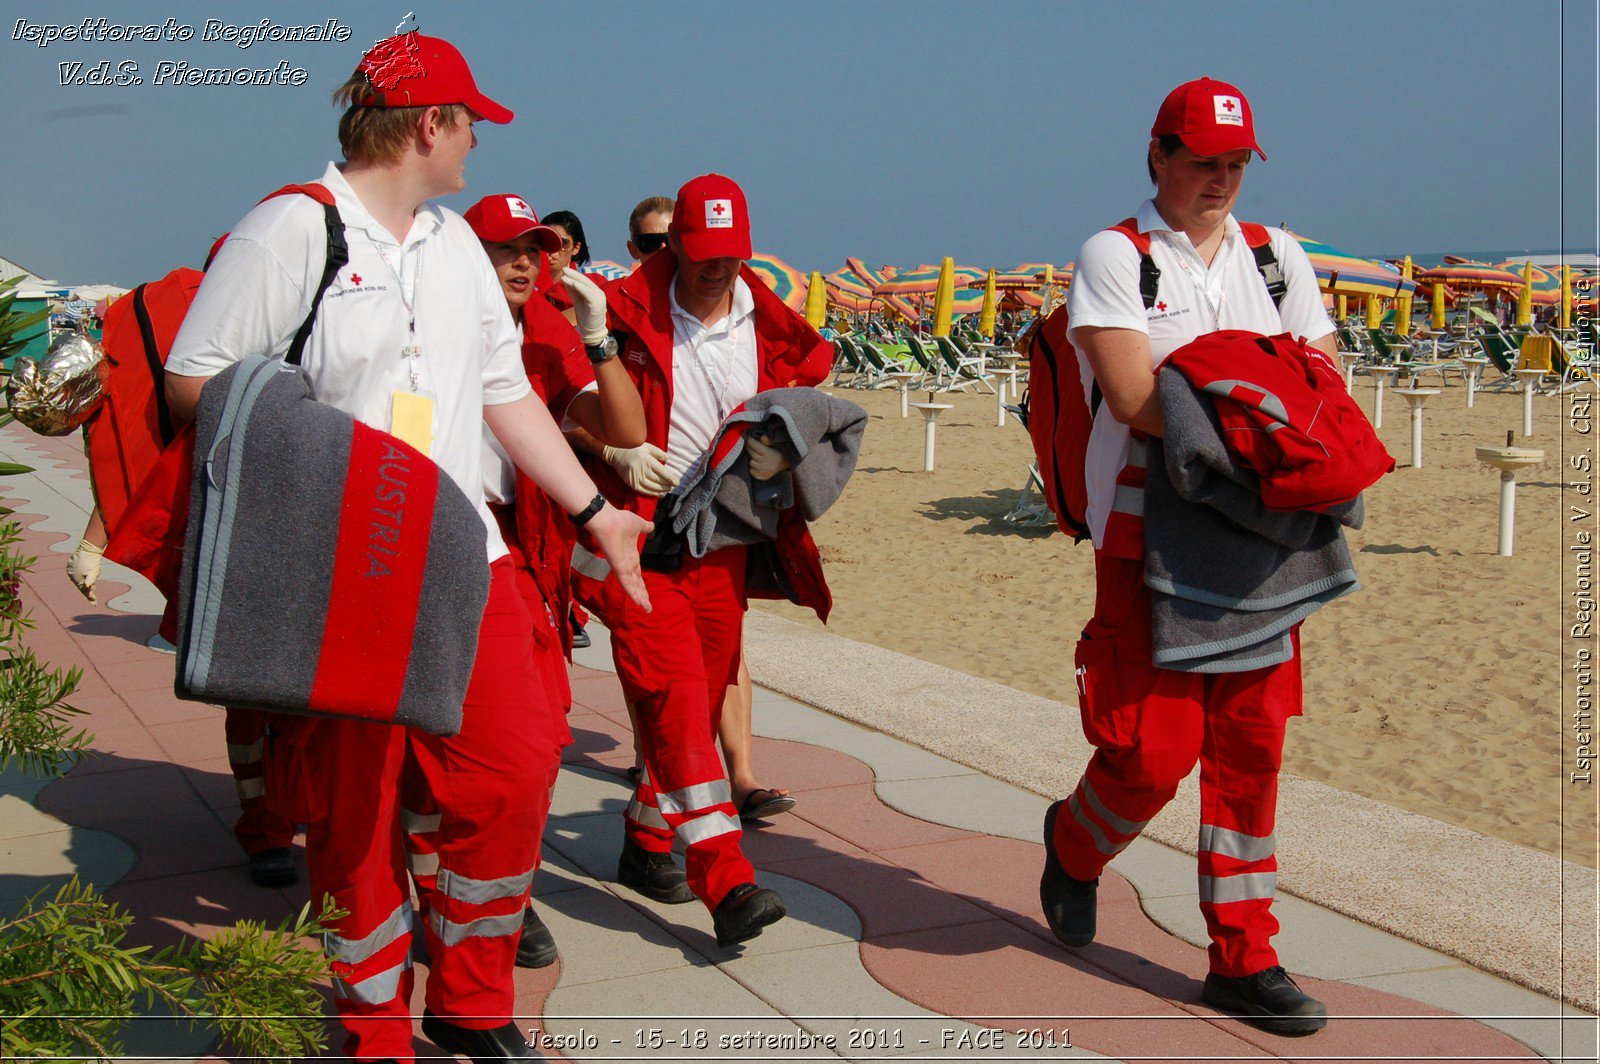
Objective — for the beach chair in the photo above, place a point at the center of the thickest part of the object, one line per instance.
(849, 368)
(932, 369)
(878, 366)
(966, 371)
(1502, 355)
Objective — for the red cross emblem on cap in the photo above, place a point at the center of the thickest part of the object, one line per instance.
(1227, 105)
(355, 278)
(1162, 306)
(718, 209)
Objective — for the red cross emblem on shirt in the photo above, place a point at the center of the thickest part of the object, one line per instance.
(718, 209)
(1162, 306)
(355, 278)
(1227, 105)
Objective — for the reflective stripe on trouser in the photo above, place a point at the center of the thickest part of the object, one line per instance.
(642, 820)
(1148, 727)
(258, 827)
(488, 788)
(675, 664)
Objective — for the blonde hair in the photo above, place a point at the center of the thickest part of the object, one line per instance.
(371, 134)
(647, 207)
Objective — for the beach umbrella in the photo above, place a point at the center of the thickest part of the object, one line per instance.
(606, 268)
(1546, 288)
(1472, 276)
(1566, 297)
(1374, 313)
(871, 277)
(986, 314)
(944, 295)
(924, 280)
(1342, 273)
(787, 282)
(1436, 321)
(1344, 307)
(1402, 325)
(1525, 296)
(816, 300)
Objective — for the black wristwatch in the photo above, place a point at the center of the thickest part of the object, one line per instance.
(602, 352)
(586, 515)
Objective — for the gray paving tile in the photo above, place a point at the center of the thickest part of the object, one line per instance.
(598, 655)
(1531, 1018)
(889, 758)
(974, 802)
(621, 1016)
(590, 841)
(1312, 940)
(557, 874)
(44, 862)
(581, 792)
(1157, 870)
(602, 936)
(19, 819)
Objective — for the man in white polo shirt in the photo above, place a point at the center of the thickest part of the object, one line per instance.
(414, 331)
(1127, 311)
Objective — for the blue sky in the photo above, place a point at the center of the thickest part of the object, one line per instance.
(897, 131)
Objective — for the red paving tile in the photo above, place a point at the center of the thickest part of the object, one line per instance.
(802, 768)
(792, 838)
(600, 693)
(889, 899)
(856, 815)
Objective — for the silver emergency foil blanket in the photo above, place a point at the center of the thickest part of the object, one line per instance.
(58, 393)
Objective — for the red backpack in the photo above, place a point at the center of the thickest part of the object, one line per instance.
(1062, 399)
(134, 425)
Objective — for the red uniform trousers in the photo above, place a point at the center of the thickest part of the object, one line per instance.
(419, 812)
(259, 827)
(675, 664)
(1148, 726)
(490, 785)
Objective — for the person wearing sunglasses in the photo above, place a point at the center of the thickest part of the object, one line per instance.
(647, 227)
(572, 250)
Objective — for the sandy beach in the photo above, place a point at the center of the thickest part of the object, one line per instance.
(1436, 688)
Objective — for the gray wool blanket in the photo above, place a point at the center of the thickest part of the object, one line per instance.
(719, 504)
(329, 569)
(1229, 578)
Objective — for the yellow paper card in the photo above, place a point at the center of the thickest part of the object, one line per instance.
(411, 419)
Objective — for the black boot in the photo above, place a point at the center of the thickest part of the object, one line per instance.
(482, 1047)
(537, 946)
(744, 911)
(1269, 999)
(1069, 904)
(655, 875)
(273, 868)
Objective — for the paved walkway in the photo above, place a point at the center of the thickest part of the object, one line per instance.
(911, 882)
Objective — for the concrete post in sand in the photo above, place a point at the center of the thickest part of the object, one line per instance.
(1508, 460)
(930, 418)
(1416, 397)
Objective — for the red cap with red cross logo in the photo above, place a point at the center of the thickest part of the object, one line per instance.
(710, 219)
(1210, 117)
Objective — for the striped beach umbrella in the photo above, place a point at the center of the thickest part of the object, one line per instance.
(1546, 285)
(1342, 273)
(1471, 276)
(787, 282)
(871, 276)
(925, 280)
(607, 269)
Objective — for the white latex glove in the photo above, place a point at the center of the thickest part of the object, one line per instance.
(642, 468)
(588, 303)
(83, 568)
(766, 461)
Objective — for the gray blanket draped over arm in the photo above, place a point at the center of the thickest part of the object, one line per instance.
(1228, 577)
(721, 504)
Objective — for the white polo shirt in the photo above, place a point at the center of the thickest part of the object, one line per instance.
(258, 292)
(1191, 300)
(714, 370)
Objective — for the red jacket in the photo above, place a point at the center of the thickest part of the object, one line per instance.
(1286, 415)
(789, 352)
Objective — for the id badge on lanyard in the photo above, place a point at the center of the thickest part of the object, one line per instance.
(412, 410)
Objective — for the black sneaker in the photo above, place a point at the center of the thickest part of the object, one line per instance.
(580, 637)
(655, 875)
(1269, 999)
(1069, 904)
(482, 1047)
(744, 911)
(537, 946)
(273, 868)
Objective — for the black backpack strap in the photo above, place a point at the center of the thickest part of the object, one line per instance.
(158, 372)
(1271, 272)
(1149, 279)
(338, 257)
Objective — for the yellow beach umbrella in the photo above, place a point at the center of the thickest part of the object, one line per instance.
(1402, 316)
(816, 300)
(1436, 320)
(1525, 297)
(1566, 297)
(1374, 313)
(990, 299)
(1048, 291)
(1344, 306)
(944, 296)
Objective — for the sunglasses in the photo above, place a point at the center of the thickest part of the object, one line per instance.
(650, 242)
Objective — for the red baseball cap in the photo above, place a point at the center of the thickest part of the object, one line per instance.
(1210, 117)
(503, 217)
(410, 70)
(711, 220)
